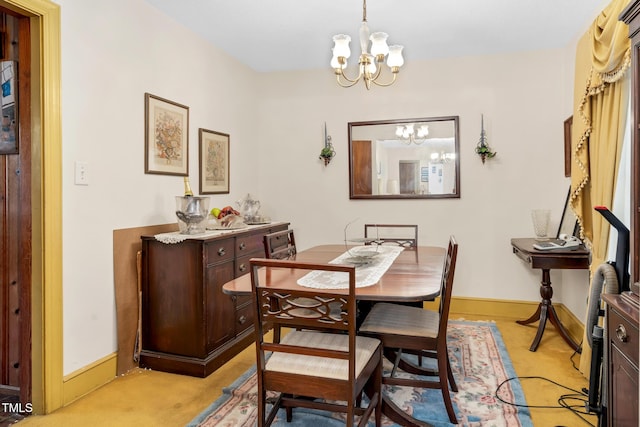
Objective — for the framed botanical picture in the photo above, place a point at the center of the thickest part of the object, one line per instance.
(214, 162)
(166, 136)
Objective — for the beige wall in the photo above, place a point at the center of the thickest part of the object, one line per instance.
(522, 97)
(111, 58)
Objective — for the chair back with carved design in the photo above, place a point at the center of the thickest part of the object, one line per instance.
(310, 367)
(280, 245)
(405, 235)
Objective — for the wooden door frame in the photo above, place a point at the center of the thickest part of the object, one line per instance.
(46, 203)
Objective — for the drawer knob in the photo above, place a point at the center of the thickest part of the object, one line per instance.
(242, 246)
(242, 268)
(242, 319)
(221, 252)
(621, 333)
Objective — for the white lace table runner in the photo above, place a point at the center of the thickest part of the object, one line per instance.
(366, 275)
(177, 237)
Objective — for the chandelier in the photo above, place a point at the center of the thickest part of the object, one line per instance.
(370, 63)
(410, 134)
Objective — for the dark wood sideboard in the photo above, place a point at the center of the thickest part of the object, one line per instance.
(189, 326)
(622, 353)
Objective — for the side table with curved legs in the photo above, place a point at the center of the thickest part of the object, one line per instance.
(578, 258)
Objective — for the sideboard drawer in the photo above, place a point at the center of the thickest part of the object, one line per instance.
(242, 263)
(248, 244)
(624, 335)
(219, 251)
(244, 318)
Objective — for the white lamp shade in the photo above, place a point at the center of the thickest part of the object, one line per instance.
(410, 129)
(341, 46)
(379, 44)
(423, 131)
(399, 130)
(395, 56)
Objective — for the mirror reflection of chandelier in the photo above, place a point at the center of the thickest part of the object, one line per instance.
(412, 133)
(442, 157)
(370, 63)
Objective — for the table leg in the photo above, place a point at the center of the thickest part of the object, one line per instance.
(555, 321)
(398, 416)
(545, 311)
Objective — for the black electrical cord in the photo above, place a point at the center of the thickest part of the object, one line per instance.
(562, 400)
(578, 351)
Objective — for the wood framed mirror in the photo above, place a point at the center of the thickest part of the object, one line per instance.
(404, 158)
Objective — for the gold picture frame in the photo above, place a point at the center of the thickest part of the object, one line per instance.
(567, 146)
(214, 162)
(166, 136)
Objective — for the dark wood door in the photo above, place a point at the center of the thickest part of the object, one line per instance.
(409, 176)
(15, 218)
(361, 170)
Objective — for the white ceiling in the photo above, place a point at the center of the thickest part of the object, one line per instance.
(278, 35)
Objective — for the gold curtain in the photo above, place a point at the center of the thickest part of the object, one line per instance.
(600, 102)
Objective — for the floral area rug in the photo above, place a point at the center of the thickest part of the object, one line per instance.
(479, 361)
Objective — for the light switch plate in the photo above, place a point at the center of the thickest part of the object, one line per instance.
(81, 173)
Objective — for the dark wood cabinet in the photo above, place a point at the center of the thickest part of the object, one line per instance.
(189, 326)
(622, 365)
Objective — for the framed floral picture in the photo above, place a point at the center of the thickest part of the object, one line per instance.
(214, 162)
(166, 134)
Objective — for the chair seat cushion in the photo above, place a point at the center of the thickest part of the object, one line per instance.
(386, 318)
(321, 366)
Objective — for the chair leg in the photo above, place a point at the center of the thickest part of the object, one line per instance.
(443, 365)
(350, 412)
(276, 334)
(452, 381)
(261, 408)
(396, 362)
(378, 393)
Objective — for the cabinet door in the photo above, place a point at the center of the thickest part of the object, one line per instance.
(623, 367)
(624, 389)
(172, 298)
(220, 307)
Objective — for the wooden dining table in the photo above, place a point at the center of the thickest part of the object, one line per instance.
(414, 276)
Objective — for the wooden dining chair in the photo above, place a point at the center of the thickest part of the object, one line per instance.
(403, 328)
(405, 235)
(280, 245)
(309, 368)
